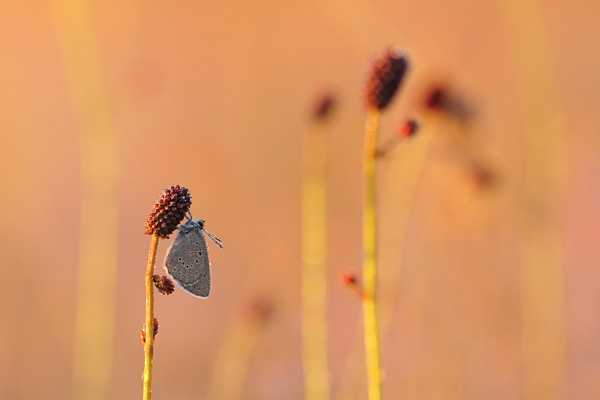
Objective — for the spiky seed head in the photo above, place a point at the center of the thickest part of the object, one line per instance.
(168, 211)
(385, 76)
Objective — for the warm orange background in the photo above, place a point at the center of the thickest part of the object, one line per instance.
(216, 96)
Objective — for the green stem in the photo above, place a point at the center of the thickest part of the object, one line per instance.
(371, 318)
(149, 344)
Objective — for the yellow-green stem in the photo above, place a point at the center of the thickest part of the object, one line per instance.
(149, 344)
(314, 271)
(371, 317)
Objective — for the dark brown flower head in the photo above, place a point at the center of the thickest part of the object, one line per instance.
(323, 106)
(163, 284)
(144, 330)
(387, 71)
(168, 211)
(408, 128)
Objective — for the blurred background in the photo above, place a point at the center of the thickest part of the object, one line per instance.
(488, 219)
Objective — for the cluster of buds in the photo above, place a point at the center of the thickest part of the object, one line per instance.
(168, 211)
(163, 284)
(154, 333)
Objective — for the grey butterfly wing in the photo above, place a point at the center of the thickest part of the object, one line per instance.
(187, 262)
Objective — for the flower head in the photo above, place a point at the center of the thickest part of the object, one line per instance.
(168, 211)
(387, 71)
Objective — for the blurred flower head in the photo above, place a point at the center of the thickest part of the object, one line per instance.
(386, 73)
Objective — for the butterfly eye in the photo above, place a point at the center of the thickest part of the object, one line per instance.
(197, 242)
(179, 258)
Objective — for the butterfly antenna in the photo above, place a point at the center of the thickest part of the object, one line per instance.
(215, 239)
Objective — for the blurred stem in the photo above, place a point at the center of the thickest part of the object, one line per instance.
(149, 345)
(371, 322)
(543, 178)
(314, 271)
(234, 356)
(397, 198)
(99, 158)
(400, 203)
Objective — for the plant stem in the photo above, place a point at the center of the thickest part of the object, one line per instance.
(371, 321)
(149, 344)
(314, 270)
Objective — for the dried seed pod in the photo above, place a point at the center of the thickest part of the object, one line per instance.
(387, 71)
(168, 211)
